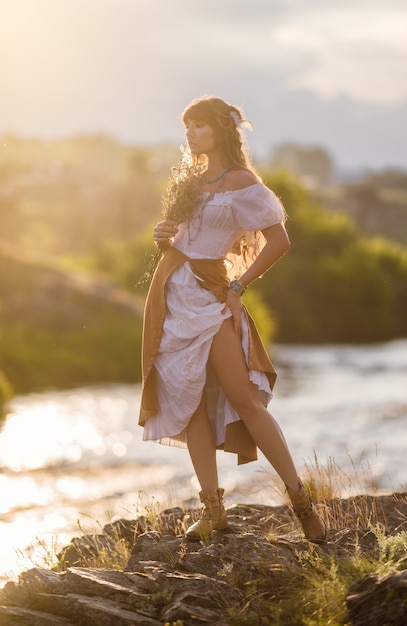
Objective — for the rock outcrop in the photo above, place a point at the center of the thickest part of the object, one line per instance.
(171, 580)
(379, 600)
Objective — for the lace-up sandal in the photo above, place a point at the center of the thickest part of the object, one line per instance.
(313, 526)
(213, 515)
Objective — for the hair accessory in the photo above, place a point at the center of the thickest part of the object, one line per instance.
(235, 117)
(239, 122)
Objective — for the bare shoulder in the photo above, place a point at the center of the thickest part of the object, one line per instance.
(239, 179)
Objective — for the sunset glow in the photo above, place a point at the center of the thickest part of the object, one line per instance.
(78, 67)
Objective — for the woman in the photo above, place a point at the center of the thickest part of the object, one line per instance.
(207, 379)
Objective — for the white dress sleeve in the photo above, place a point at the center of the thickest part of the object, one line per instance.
(256, 207)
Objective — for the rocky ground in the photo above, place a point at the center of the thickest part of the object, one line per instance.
(171, 580)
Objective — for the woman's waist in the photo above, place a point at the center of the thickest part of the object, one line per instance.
(209, 273)
(200, 253)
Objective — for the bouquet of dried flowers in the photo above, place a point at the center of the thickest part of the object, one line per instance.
(183, 191)
(179, 202)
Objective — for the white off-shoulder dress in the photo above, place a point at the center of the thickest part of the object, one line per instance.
(193, 315)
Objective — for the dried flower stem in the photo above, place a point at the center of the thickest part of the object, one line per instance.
(179, 203)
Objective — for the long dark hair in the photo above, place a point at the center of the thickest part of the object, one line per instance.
(226, 120)
(183, 193)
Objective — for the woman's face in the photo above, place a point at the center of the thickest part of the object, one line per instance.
(200, 137)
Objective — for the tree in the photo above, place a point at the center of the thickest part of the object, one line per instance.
(313, 164)
(334, 285)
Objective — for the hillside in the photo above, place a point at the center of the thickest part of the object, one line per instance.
(61, 328)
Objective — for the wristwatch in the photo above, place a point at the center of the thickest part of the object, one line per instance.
(237, 288)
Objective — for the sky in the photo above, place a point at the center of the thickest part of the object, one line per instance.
(315, 72)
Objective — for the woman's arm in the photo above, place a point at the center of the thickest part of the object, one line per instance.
(277, 244)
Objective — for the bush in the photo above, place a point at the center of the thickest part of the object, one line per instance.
(108, 350)
(334, 285)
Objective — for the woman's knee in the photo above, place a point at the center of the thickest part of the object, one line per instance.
(247, 406)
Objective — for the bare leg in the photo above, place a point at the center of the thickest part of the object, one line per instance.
(202, 449)
(228, 363)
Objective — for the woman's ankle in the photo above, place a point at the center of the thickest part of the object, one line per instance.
(294, 486)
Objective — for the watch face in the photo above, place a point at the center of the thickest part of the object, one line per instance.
(237, 287)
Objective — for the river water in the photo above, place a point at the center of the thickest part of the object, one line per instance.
(71, 461)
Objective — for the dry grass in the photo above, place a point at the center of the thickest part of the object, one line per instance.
(345, 499)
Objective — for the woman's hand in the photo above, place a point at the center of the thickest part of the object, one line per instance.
(163, 232)
(234, 304)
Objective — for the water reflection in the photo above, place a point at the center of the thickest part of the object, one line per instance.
(65, 427)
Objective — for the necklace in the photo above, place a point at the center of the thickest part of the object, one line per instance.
(207, 181)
